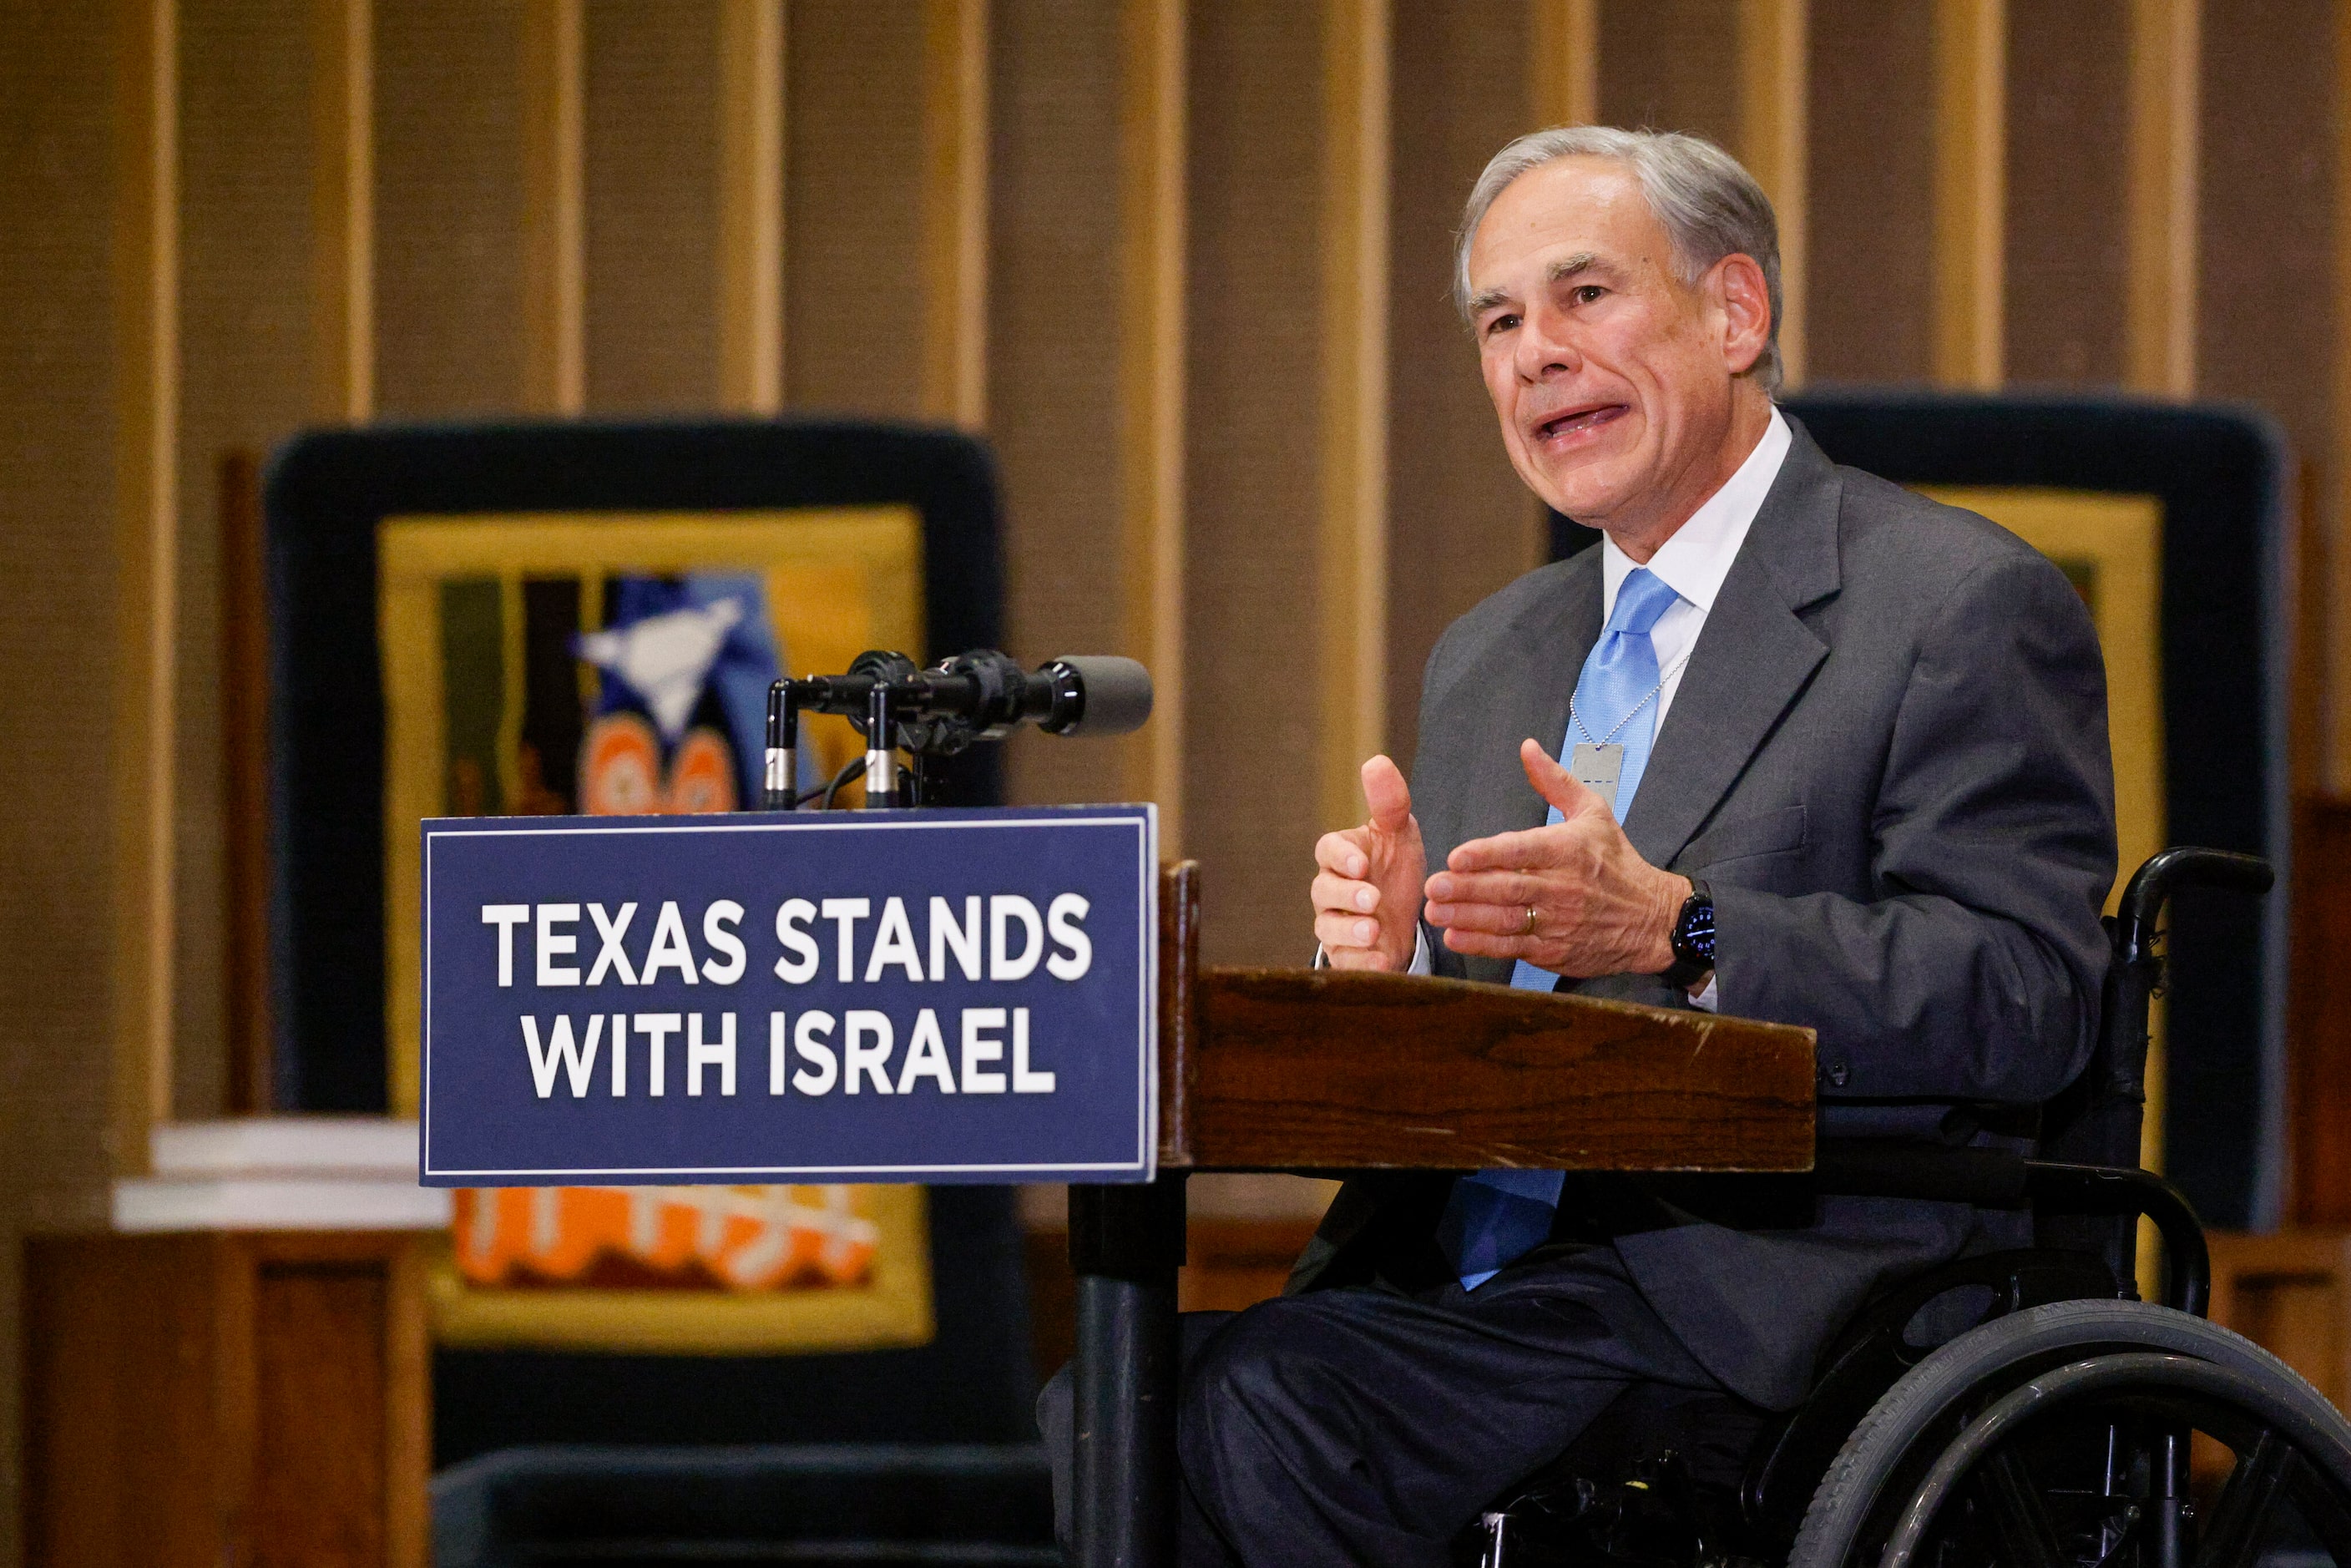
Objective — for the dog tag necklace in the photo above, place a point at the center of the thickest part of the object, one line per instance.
(1599, 765)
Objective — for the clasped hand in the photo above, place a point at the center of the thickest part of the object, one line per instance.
(1598, 908)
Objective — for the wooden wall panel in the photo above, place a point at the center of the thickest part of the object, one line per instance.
(1053, 371)
(1671, 65)
(2265, 308)
(1154, 137)
(449, 207)
(1775, 143)
(57, 435)
(2324, 561)
(651, 146)
(1461, 524)
(1871, 242)
(2268, 310)
(249, 367)
(1352, 554)
(1970, 56)
(144, 336)
(954, 161)
(2067, 249)
(2318, 1091)
(852, 183)
(751, 206)
(2161, 194)
(554, 64)
(1253, 497)
(342, 208)
(1563, 48)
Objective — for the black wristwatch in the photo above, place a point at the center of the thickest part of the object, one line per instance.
(1693, 938)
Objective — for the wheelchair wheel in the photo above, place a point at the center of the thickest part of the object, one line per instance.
(2061, 1438)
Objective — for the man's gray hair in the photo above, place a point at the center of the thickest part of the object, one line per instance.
(1707, 204)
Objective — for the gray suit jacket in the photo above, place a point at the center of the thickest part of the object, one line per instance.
(1887, 757)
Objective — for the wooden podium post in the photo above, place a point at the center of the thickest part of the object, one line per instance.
(1316, 1071)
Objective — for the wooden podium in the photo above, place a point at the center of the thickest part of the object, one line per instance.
(1324, 1072)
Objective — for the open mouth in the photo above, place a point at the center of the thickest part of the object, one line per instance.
(1571, 423)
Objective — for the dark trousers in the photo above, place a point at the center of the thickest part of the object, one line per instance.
(1370, 1426)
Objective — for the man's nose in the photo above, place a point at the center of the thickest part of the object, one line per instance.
(1546, 349)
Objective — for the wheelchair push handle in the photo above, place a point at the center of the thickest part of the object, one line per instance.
(2138, 961)
(2152, 886)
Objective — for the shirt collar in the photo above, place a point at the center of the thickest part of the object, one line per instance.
(1696, 559)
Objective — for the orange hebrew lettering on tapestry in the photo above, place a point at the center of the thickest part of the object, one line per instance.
(676, 1238)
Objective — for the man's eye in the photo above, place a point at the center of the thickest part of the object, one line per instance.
(1500, 324)
(1587, 293)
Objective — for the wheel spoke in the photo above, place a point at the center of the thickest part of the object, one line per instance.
(2234, 1538)
(2323, 1509)
(2012, 1506)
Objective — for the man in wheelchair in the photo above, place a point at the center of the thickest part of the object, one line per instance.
(1793, 744)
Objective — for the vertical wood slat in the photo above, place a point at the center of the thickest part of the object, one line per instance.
(751, 206)
(2159, 322)
(954, 212)
(146, 266)
(1351, 644)
(1775, 83)
(1151, 239)
(245, 793)
(342, 298)
(555, 250)
(2334, 637)
(1971, 190)
(1566, 38)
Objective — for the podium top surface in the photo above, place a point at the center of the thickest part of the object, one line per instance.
(1273, 1068)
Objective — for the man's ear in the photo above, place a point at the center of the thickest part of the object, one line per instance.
(1746, 301)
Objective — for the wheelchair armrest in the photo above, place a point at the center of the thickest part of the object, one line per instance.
(2002, 1178)
(1933, 1173)
(2127, 1190)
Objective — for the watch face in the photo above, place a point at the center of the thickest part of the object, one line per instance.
(1694, 933)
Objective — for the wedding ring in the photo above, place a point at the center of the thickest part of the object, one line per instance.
(1531, 921)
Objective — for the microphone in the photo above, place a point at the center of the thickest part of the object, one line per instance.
(985, 695)
(1113, 695)
(981, 695)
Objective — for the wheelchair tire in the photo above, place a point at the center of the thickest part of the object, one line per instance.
(1988, 1362)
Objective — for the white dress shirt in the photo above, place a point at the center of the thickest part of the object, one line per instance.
(1693, 563)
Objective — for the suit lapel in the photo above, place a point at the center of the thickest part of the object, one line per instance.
(1752, 659)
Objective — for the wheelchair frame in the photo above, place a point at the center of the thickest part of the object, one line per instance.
(2086, 1201)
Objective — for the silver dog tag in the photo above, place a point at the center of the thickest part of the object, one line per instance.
(1597, 769)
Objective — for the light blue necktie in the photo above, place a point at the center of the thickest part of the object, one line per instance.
(1495, 1215)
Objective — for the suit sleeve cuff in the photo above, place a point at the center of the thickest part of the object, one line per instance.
(1423, 962)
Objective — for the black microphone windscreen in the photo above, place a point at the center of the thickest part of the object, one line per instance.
(1118, 693)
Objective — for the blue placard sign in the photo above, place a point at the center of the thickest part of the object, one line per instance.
(948, 996)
